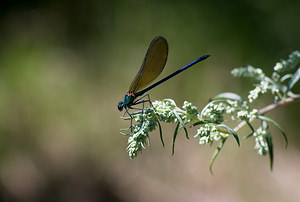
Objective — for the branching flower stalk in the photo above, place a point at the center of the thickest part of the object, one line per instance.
(212, 121)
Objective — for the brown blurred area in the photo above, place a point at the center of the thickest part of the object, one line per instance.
(64, 65)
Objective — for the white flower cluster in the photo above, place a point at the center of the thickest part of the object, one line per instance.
(146, 122)
(260, 143)
(209, 133)
(246, 115)
(165, 109)
(254, 94)
(250, 71)
(260, 89)
(287, 65)
(215, 112)
(278, 67)
(191, 111)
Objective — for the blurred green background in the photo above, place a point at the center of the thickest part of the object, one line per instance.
(64, 66)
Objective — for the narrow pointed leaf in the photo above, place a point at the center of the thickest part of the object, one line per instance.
(250, 135)
(124, 129)
(229, 95)
(197, 123)
(277, 125)
(174, 138)
(125, 134)
(250, 126)
(148, 140)
(182, 124)
(285, 77)
(294, 79)
(186, 133)
(202, 122)
(232, 132)
(160, 134)
(252, 129)
(216, 153)
(270, 147)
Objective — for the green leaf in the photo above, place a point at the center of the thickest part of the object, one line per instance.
(216, 153)
(182, 124)
(197, 123)
(125, 134)
(294, 79)
(148, 140)
(126, 118)
(252, 129)
(229, 95)
(285, 77)
(125, 129)
(232, 132)
(270, 147)
(160, 134)
(186, 132)
(174, 138)
(250, 135)
(201, 122)
(250, 126)
(264, 118)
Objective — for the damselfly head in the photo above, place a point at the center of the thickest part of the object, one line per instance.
(120, 106)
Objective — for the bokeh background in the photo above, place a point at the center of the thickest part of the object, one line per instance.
(64, 66)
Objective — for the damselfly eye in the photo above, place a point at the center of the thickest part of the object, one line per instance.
(120, 106)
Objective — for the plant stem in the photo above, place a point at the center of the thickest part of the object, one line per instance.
(278, 104)
(271, 107)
